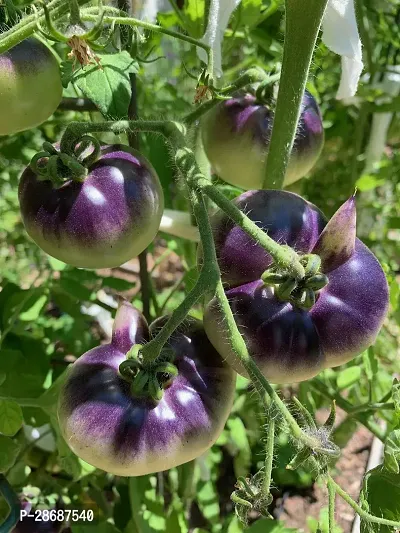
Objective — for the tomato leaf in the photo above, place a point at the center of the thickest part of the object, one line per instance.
(11, 418)
(109, 88)
(391, 459)
(8, 453)
(348, 377)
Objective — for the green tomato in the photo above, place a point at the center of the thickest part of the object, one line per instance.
(30, 86)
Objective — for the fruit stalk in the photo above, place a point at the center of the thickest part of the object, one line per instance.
(303, 20)
(28, 24)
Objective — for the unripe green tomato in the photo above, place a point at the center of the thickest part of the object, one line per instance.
(30, 86)
(236, 134)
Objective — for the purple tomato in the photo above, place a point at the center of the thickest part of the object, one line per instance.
(290, 343)
(30, 86)
(236, 135)
(128, 435)
(102, 222)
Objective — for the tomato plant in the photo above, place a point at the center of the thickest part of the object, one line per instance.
(176, 354)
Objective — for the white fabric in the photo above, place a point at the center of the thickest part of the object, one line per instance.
(340, 34)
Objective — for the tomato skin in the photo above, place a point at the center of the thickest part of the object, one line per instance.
(101, 223)
(236, 135)
(30, 86)
(290, 344)
(119, 433)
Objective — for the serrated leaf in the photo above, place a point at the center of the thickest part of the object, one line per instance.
(391, 459)
(11, 418)
(109, 87)
(348, 377)
(8, 453)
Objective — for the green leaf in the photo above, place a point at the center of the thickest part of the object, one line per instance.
(176, 521)
(381, 497)
(34, 310)
(207, 499)
(368, 182)
(103, 527)
(117, 284)
(239, 446)
(8, 453)
(109, 88)
(348, 377)
(48, 400)
(391, 459)
(11, 418)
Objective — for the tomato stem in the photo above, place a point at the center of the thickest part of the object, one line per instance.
(28, 24)
(359, 510)
(303, 20)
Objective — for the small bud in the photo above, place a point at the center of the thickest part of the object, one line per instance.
(336, 243)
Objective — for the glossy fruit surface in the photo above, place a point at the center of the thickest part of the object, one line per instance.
(236, 135)
(289, 343)
(102, 222)
(30, 86)
(110, 428)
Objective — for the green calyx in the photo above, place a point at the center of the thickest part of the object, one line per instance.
(148, 381)
(301, 293)
(250, 496)
(53, 165)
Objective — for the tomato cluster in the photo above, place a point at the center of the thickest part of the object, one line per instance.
(99, 207)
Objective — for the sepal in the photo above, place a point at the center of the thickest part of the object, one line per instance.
(337, 241)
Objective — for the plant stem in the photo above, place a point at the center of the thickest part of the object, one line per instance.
(127, 21)
(320, 387)
(253, 75)
(74, 15)
(359, 510)
(285, 257)
(206, 281)
(261, 384)
(331, 508)
(28, 24)
(269, 453)
(144, 285)
(303, 20)
(135, 501)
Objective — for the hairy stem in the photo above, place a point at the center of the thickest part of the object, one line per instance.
(128, 21)
(28, 24)
(269, 452)
(331, 508)
(359, 510)
(303, 20)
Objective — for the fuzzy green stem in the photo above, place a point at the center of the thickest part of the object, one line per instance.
(285, 257)
(253, 75)
(259, 381)
(303, 20)
(74, 14)
(206, 281)
(127, 21)
(359, 510)
(28, 24)
(269, 453)
(331, 508)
